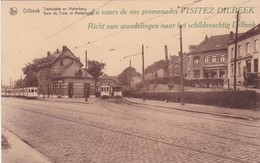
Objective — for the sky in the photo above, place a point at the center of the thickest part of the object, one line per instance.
(27, 35)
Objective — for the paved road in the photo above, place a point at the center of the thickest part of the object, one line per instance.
(115, 131)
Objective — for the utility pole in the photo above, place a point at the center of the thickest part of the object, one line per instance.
(86, 85)
(167, 60)
(143, 72)
(130, 77)
(235, 59)
(182, 88)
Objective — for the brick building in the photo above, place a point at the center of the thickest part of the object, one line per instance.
(209, 59)
(61, 75)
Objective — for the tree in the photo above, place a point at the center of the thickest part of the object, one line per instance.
(127, 75)
(19, 84)
(95, 69)
(31, 79)
(30, 70)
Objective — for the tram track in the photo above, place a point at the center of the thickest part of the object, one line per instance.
(134, 135)
(109, 106)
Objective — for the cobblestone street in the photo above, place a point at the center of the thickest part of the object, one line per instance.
(118, 131)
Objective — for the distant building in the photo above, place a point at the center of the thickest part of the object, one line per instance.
(158, 69)
(175, 65)
(209, 59)
(61, 75)
(248, 56)
(107, 80)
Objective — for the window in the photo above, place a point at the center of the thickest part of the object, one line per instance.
(196, 60)
(256, 46)
(214, 59)
(247, 48)
(232, 69)
(255, 65)
(222, 73)
(239, 50)
(222, 58)
(52, 72)
(239, 68)
(61, 62)
(206, 59)
(232, 53)
(248, 65)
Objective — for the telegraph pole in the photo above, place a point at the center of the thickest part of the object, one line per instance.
(143, 72)
(130, 77)
(86, 65)
(182, 88)
(166, 59)
(235, 59)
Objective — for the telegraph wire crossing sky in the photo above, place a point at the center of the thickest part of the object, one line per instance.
(35, 34)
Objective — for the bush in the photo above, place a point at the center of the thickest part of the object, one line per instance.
(206, 83)
(231, 99)
(209, 82)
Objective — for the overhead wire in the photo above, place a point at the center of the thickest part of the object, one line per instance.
(191, 3)
(66, 27)
(209, 17)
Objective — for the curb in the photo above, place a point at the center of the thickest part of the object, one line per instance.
(80, 102)
(21, 151)
(193, 111)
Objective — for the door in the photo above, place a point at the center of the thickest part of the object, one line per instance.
(86, 90)
(70, 90)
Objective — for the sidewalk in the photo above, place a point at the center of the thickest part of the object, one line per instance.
(19, 151)
(91, 100)
(205, 109)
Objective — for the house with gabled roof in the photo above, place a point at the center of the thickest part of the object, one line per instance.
(105, 80)
(209, 59)
(61, 74)
(108, 80)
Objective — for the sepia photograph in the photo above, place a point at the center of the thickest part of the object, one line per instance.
(138, 81)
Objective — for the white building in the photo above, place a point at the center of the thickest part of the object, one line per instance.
(248, 56)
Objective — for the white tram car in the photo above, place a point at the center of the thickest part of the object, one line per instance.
(28, 92)
(109, 91)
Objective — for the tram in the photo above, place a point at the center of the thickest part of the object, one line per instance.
(28, 92)
(109, 91)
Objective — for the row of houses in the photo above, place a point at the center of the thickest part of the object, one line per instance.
(214, 57)
(61, 74)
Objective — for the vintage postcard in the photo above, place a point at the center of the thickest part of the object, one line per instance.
(130, 81)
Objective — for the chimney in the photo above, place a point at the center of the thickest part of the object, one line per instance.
(64, 48)
(57, 51)
(206, 38)
(166, 52)
(48, 53)
(231, 35)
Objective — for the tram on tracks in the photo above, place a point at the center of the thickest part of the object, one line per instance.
(109, 91)
(28, 92)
